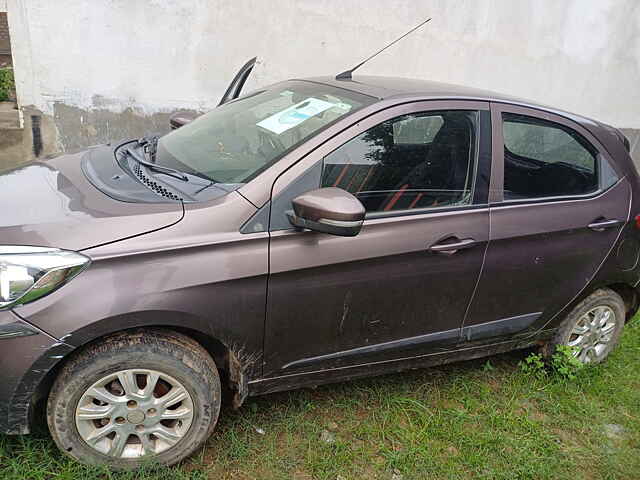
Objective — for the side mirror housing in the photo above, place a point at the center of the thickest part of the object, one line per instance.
(181, 118)
(328, 210)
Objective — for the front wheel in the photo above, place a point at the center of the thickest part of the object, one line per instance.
(134, 397)
(593, 327)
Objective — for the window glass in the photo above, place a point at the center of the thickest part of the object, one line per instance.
(236, 141)
(414, 161)
(416, 130)
(545, 159)
(608, 175)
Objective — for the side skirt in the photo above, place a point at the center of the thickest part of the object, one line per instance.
(498, 328)
(334, 375)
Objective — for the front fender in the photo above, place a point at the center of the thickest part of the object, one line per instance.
(179, 290)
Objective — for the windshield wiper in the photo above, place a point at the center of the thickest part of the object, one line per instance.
(150, 146)
(156, 168)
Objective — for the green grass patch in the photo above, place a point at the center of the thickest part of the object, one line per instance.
(7, 83)
(487, 419)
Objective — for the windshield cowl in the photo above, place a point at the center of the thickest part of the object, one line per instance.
(118, 180)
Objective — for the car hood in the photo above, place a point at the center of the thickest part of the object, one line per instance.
(52, 204)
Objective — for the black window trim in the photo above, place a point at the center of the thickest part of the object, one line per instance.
(552, 200)
(529, 201)
(422, 211)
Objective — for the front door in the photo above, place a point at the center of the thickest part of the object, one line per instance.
(402, 286)
(556, 212)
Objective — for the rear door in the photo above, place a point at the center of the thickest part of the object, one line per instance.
(402, 286)
(557, 207)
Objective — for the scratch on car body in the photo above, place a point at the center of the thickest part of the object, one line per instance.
(345, 311)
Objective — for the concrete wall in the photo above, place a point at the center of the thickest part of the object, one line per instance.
(105, 69)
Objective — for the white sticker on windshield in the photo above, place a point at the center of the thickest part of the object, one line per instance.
(294, 115)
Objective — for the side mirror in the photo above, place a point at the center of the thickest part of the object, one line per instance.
(181, 118)
(328, 210)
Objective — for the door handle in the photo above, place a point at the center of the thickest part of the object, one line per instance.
(451, 248)
(602, 225)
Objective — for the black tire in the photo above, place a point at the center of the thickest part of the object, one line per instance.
(603, 297)
(159, 350)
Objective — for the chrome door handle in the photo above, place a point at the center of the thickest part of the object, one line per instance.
(452, 248)
(603, 225)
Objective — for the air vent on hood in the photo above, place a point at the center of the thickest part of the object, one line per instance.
(156, 187)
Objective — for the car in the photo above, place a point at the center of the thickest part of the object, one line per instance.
(312, 231)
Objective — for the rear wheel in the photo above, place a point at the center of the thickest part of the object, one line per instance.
(134, 397)
(593, 327)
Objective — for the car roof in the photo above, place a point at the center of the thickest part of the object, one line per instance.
(384, 88)
(388, 87)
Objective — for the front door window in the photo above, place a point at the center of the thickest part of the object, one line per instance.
(416, 161)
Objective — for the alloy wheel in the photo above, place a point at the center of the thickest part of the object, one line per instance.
(593, 333)
(134, 412)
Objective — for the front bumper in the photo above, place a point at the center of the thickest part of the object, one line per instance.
(27, 354)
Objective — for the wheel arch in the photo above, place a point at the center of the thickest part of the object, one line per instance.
(231, 346)
(629, 294)
(232, 359)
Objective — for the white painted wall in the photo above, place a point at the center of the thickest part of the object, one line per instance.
(158, 55)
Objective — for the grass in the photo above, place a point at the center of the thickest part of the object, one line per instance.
(6, 83)
(480, 419)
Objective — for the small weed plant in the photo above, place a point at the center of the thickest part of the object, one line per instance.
(6, 83)
(563, 364)
(534, 366)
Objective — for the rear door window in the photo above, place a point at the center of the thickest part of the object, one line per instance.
(546, 159)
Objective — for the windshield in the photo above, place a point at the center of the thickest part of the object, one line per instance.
(239, 139)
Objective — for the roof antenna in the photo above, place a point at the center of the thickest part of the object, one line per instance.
(347, 74)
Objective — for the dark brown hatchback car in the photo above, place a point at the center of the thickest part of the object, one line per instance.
(312, 231)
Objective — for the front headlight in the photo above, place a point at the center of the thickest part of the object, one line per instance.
(28, 273)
